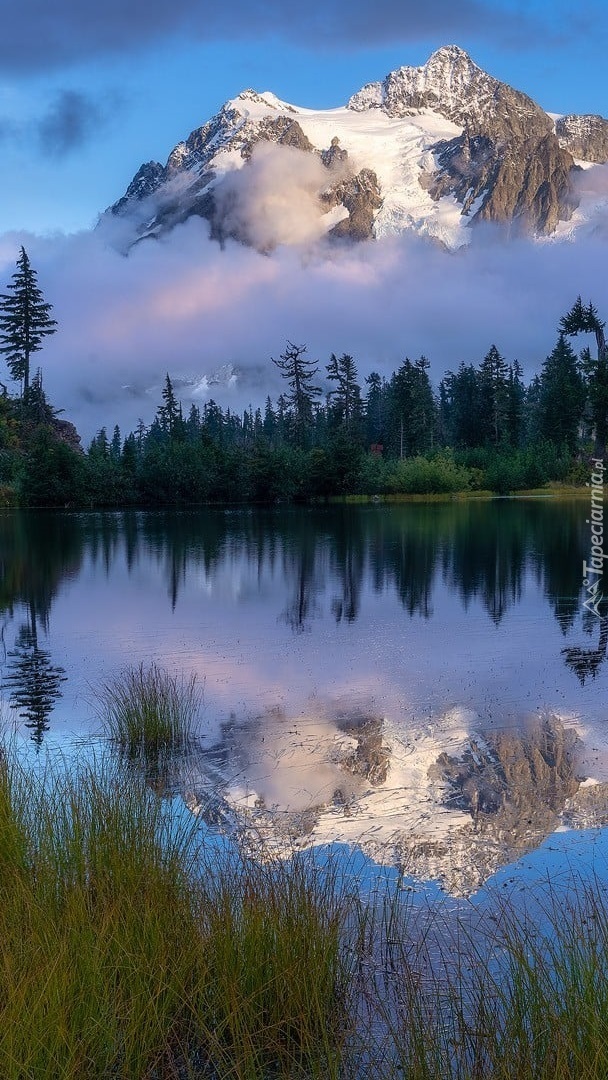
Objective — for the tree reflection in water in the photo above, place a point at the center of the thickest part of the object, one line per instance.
(313, 560)
(585, 662)
(33, 682)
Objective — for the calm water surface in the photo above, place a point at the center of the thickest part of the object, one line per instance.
(421, 680)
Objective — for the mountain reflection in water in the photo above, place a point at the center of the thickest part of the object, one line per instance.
(455, 815)
(390, 661)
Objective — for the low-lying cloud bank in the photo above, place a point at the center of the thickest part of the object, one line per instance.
(214, 317)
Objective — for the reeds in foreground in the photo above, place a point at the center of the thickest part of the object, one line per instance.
(129, 949)
(126, 952)
(506, 995)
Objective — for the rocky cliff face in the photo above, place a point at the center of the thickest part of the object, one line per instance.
(446, 129)
(525, 182)
(361, 197)
(146, 181)
(585, 137)
(66, 433)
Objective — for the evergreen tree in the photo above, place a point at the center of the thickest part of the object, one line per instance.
(462, 407)
(494, 390)
(140, 434)
(299, 373)
(269, 424)
(100, 447)
(130, 454)
(116, 444)
(247, 427)
(346, 405)
(169, 412)
(193, 424)
(516, 394)
(531, 410)
(585, 320)
(37, 409)
(413, 409)
(375, 409)
(282, 418)
(213, 422)
(25, 320)
(561, 397)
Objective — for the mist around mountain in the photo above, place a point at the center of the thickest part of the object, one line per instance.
(433, 150)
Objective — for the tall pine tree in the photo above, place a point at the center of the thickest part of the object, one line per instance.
(299, 373)
(413, 409)
(376, 409)
(561, 397)
(494, 390)
(516, 396)
(346, 405)
(169, 413)
(462, 407)
(585, 320)
(25, 320)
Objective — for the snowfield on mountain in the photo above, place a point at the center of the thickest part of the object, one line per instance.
(435, 149)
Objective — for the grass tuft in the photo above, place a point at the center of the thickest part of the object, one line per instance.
(147, 712)
(276, 998)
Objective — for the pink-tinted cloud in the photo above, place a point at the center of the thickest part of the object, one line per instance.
(186, 306)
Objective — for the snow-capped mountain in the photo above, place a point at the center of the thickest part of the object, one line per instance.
(433, 149)
(451, 804)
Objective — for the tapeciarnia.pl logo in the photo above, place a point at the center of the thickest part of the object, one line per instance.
(593, 570)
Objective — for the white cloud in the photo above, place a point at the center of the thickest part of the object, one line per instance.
(186, 306)
(274, 199)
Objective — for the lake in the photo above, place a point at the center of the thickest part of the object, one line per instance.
(419, 682)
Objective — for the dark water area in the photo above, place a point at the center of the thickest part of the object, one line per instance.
(425, 676)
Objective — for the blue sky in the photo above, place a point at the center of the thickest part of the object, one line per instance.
(88, 92)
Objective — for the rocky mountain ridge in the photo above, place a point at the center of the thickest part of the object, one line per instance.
(434, 149)
(451, 84)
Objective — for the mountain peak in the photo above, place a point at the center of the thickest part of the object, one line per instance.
(453, 85)
(449, 54)
(251, 103)
(432, 148)
(449, 67)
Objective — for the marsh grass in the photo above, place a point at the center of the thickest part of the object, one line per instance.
(98, 938)
(276, 995)
(149, 713)
(129, 948)
(551, 1001)
(515, 995)
(126, 951)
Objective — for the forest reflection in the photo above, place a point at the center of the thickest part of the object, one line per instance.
(325, 560)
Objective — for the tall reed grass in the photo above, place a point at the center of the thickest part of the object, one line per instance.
(127, 951)
(509, 996)
(147, 712)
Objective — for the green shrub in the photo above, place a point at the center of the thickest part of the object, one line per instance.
(429, 475)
